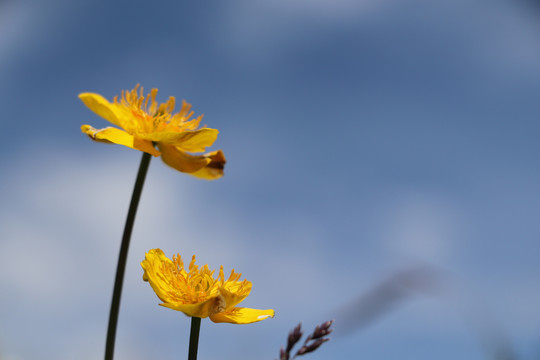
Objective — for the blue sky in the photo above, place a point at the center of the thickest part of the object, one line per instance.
(363, 139)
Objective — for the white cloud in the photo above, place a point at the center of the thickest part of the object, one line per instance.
(503, 36)
(326, 10)
(498, 36)
(60, 239)
(422, 226)
(15, 18)
(29, 27)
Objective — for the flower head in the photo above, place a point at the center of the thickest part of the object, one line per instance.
(196, 292)
(145, 123)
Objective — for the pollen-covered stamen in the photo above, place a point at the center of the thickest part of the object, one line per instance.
(198, 283)
(182, 118)
(149, 116)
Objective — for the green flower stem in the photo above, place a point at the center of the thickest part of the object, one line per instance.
(122, 257)
(194, 338)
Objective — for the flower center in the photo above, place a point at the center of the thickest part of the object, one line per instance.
(149, 116)
(194, 286)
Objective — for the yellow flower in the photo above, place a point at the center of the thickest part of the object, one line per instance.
(196, 293)
(146, 123)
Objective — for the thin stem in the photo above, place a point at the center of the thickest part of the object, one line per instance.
(194, 338)
(122, 257)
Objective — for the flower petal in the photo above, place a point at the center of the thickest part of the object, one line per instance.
(201, 310)
(120, 137)
(207, 166)
(242, 316)
(231, 294)
(192, 141)
(154, 261)
(102, 107)
(214, 169)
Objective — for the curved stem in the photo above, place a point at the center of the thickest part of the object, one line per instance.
(194, 338)
(122, 257)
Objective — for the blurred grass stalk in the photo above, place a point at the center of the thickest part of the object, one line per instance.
(433, 282)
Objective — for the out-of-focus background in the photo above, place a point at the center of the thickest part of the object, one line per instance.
(383, 170)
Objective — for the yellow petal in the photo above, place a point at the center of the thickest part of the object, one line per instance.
(154, 261)
(120, 137)
(208, 166)
(232, 296)
(180, 160)
(191, 141)
(241, 316)
(201, 310)
(214, 169)
(102, 107)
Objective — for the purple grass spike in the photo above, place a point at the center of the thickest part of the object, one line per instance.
(311, 347)
(322, 330)
(294, 336)
(312, 342)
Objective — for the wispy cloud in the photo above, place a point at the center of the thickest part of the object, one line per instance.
(61, 237)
